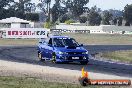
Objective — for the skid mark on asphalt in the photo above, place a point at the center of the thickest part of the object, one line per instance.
(29, 55)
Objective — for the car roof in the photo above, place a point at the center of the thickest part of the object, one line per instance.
(59, 37)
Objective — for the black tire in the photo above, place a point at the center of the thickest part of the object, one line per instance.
(40, 56)
(84, 62)
(38, 53)
(53, 58)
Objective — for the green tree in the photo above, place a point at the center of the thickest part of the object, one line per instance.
(76, 6)
(30, 7)
(120, 19)
(69, 21)
(107, 16)
(48, 24)
(32, 16)
(9, 13)
(128, 13)
(94, 18)
(83, 19)
(20, 8)
(114, 21)
(57, 11)
(127, 23)
(41, 7)
(5, 3)
(64, 18)
(45, 6)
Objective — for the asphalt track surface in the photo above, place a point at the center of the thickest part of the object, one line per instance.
(28, 54)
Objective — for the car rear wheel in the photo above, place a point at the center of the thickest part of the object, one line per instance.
(84, 62)
(40, 56)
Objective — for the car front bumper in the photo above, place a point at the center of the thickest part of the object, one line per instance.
(72, 58)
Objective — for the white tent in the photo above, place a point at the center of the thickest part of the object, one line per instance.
(13, 20)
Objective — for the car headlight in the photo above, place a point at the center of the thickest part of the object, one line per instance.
(62, 53)
(85, 52)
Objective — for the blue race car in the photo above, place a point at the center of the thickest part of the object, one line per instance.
(62, 49)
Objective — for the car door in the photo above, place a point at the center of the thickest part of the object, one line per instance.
(50, 48)
(42, 47)
(45, 48)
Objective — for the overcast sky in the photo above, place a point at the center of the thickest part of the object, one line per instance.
(104, 4)
(109, 4)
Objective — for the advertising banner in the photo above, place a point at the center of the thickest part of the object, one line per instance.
(26, 33)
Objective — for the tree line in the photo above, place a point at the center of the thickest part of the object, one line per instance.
(22, 9)
(65, 11)
(77, 11)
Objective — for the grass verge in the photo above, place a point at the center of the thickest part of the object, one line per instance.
(101, 39)
(18, 41)
(16, 82)
(122, 56)
(87, 39)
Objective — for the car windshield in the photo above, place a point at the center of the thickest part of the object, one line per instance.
(62, 42)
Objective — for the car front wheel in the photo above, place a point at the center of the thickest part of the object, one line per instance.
(54, 58)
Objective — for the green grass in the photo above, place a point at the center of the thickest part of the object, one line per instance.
(123, 56)
(101, 39)
(17, 82)
(88, 39)
(18, 41)
(14, 82)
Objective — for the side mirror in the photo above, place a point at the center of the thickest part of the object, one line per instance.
(81, 44)
(40, 42)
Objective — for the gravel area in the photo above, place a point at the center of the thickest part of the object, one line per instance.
(48, 73)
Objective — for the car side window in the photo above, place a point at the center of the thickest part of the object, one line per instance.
(46, 41)
(50, 41)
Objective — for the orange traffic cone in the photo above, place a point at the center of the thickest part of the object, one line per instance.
(84, 80)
